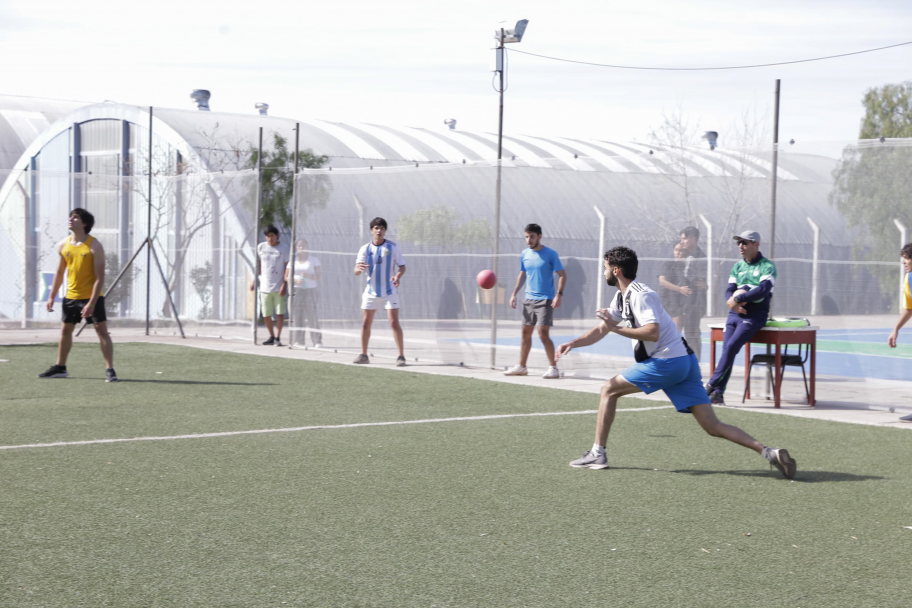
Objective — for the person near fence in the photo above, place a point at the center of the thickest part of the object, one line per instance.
(537, 266)
(748, 294)
(663, 361)
(82, 257)
(307, 277)
(693, 305)
(672, 287)
(376, 258)
(272, 263)
(906, 313)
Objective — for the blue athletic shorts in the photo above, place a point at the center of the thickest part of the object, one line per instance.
(679, 377)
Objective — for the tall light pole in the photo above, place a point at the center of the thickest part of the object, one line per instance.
(502, 36)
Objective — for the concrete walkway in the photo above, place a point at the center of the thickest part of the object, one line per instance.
(856, 401)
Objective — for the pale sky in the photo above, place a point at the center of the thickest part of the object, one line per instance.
(417, 63)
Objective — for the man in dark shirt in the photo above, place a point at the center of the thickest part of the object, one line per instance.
(749, 293)
(693, 306)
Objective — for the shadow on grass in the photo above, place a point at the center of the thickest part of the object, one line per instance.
(123, 380)
(804, 476)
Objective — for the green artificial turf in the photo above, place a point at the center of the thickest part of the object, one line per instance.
(465, 513)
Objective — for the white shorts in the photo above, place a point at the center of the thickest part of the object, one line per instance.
(372, 302)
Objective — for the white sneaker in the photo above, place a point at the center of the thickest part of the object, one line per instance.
(551, 373)
(517, 370)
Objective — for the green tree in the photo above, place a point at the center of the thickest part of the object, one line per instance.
(123, 288)
(278, 182)
(873, 180)
(201, 277)
(440, 226)
(888, 111)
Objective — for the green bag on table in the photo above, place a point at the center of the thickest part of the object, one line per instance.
(787, 322)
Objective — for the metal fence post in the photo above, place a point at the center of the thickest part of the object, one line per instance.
(601, 252)
(902, 243)
(709, 265)
(814, 265)
(256, 236)
(294, 235)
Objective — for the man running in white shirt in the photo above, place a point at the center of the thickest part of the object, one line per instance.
(664, 361)
(376, 258)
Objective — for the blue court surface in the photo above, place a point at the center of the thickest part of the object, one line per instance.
(857, 353)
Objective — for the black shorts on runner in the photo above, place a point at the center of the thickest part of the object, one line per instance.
(72, 311)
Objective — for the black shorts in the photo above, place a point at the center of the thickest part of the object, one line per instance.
(72, 311)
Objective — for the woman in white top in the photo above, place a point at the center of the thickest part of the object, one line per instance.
(307, 277)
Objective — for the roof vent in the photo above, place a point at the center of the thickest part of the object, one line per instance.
(263, 108)
(451, 123)
(201, 97)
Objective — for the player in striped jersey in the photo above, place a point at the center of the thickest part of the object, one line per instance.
(906, 313)
(377, 258)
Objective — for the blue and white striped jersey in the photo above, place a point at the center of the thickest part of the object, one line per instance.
(380, 260)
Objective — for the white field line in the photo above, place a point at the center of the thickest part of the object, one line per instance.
(319, 427)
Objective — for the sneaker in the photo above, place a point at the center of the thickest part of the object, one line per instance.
(270, 341)
(590, 461)
(111, 375)
(906, 418)
(400, 361)
(716, 398)
(278, 342)
(318, 345)
(517, 370)
(779, 458)
(551, 373)
(55, 371)
(362, 358)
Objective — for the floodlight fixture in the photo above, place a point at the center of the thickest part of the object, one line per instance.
(201, 97)
(512, 35)
(711, 138)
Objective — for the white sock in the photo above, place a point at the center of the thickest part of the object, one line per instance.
(597, 449)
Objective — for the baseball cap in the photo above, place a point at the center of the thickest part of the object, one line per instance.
(747, 235)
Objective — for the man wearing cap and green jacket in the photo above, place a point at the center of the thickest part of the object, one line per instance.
(749, 293)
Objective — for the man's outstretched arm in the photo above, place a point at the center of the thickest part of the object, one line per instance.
(590, 337)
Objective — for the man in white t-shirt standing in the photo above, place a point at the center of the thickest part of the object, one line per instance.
(664, 361)
(307, 277)
(376, 258)
(272, 260)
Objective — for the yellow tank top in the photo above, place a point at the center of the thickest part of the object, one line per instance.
(80, 269)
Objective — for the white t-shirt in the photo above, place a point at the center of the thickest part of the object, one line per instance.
(379, 260)
(646, 308)
(308, 266)
(272, 266)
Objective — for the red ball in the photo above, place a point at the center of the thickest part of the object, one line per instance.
(486, 279)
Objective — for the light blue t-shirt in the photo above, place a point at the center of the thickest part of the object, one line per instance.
(540, 267)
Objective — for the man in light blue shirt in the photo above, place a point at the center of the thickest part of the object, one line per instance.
(537, 266)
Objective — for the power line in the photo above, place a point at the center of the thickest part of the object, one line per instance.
(730, 67)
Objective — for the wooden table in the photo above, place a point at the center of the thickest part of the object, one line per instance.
(773, 336)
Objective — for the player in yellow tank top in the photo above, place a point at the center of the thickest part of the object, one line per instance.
(906, 309)
(80, 262)
(83, 259)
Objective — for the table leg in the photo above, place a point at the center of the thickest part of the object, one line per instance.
(777, 379)
(813, 399)
(747, 361)
(712, 354)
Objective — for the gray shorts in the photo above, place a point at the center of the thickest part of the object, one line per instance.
(538, 312)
